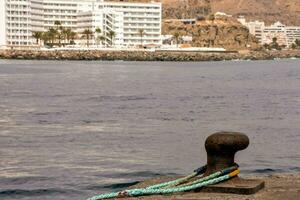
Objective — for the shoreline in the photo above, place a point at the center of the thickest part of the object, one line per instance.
(173, 56)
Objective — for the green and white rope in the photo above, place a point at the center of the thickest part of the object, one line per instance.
(179, 181)
(159, 189)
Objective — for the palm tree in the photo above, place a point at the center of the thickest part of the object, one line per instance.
(141, 33)
(72, 37)
(98, 31)
(293, 46)
(57, 24)
(67, 34)
(275, 44)
(87, 33)
(111, 35)
(176, 36)
(52, 33)
(101, 38)
(37, 36)
(46, 37)
(297, 42)
(60, 34)
(59, 30)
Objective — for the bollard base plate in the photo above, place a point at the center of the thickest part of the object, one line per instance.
(236, 186)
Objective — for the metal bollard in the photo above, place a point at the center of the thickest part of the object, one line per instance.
(221, 148)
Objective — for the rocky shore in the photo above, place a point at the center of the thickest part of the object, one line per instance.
(144, 55)
(277, 187)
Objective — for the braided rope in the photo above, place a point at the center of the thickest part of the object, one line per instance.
(179, 181)
(139, 192)
(159, 190)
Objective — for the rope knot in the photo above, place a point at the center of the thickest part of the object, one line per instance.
(123, 194)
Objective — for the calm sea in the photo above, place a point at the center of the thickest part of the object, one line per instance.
(69, 130)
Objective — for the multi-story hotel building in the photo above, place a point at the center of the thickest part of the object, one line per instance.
(276, 30)
(293, 33)
(285, 35)
(255, 28)
(125, 19)
(19, 19)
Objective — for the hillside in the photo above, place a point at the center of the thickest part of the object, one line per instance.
(175, 9)
(286, 11)
(185, 8)
(227, 33)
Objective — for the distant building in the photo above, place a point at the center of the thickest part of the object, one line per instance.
(105, 20)
(293, 33)
(221, 14)
(187, 39)
(256, 28)
(184, 21)
(286, 35)
(170, 40)
(19, 19)
(276, 30)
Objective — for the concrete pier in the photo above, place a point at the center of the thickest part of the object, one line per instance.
(277, 187)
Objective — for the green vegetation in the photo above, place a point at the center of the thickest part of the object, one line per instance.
(38, 36)
(101, 39)
(274, 45)
(211, 17)
(296, 45)
(111, 35)
(142, 33)
(59, 36)
(177, 37)
(87, 34)
(98, 32)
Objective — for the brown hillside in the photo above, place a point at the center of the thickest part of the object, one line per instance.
(286, 11)
(227, 33)
(185, 8)
(175, 9)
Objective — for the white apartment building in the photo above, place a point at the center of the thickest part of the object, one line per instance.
(146, 16)
(125, 20)
(15, 22)
(255, 28)
(293, 33)
(281, 38)
(19, 19)
(64, 11)
(2, 24)
(105, 20)
(276, 30)
(286, 35)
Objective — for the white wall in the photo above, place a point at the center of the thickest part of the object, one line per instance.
(2, 23)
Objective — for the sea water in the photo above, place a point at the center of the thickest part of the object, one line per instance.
(70, 130)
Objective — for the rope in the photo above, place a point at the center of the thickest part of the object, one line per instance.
(164, 188)
(179, 181)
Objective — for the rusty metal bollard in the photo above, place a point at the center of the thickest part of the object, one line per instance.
(221, 148)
